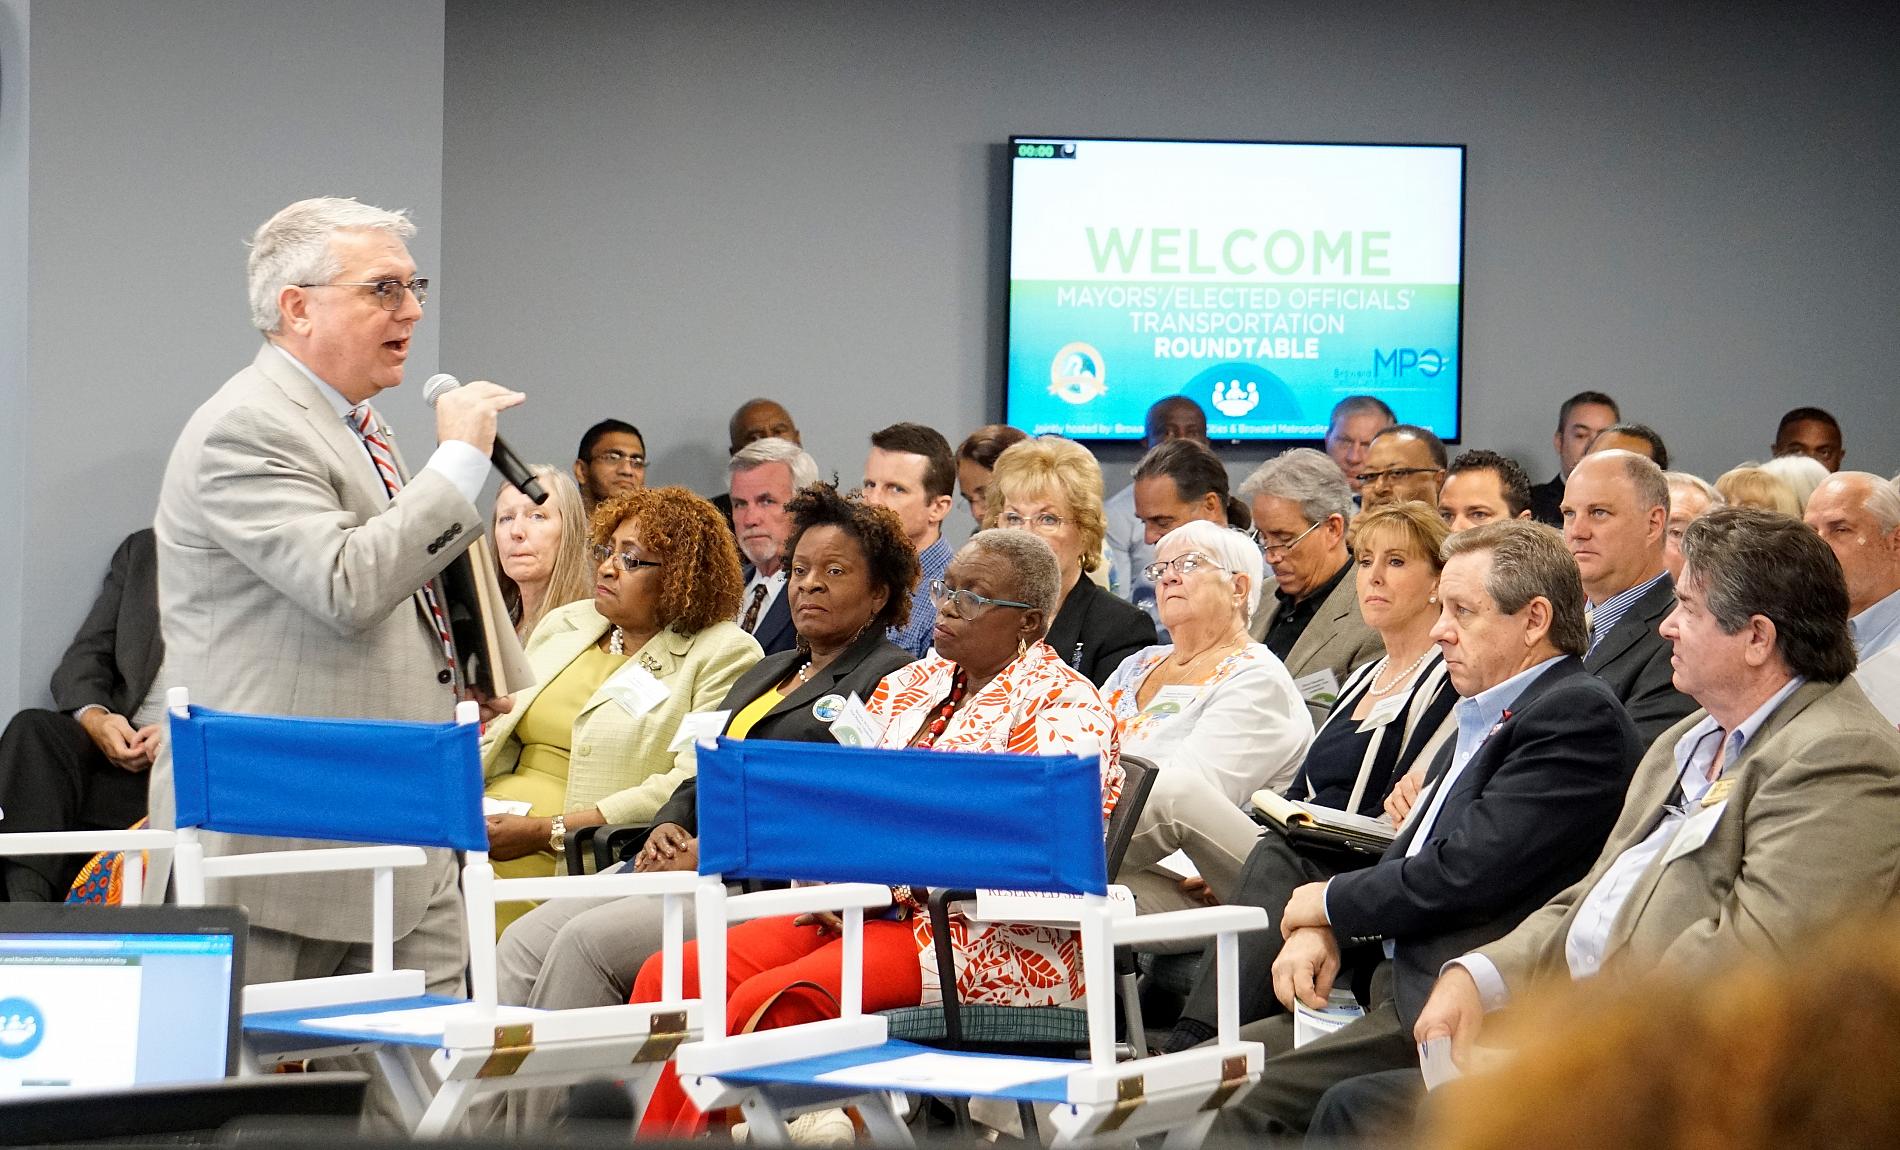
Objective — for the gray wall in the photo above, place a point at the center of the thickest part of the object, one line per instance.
(13, 296)
(1689, 211)
(656, 210)
(159, 136)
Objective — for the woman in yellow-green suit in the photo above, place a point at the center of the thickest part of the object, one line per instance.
(615, 674)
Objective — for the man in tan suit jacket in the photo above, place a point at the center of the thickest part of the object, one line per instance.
(1751, 823)
(1310, 617)
(291, 582)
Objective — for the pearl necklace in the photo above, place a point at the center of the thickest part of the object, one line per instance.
(617, 643)
(1403, 675)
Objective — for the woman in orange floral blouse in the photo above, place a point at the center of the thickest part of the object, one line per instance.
(991, 685)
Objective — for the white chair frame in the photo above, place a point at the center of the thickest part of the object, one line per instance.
(480, 1053)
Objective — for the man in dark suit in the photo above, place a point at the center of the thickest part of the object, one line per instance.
(765, 474)
(82, 765)
(1616, 523)
(1513, 811)
(1579, 420)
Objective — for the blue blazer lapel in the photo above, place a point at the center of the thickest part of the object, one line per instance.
(1480, 768)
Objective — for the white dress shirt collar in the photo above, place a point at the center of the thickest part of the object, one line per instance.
(337, 400)
(1695, 750)
(1876, 628)
(1478, 717)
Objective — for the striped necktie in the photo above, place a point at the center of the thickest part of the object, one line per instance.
(370, 430)
(751, 621)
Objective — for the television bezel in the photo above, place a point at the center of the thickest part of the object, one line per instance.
(1001, 405)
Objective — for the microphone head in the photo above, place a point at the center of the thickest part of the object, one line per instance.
(436, 385)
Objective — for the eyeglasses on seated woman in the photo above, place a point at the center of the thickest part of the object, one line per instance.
(1052, 487)
(1216, 712)
(615, 673)
(850, 570)
(1392, 718)
(990, 685)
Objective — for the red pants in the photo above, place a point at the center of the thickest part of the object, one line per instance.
(763, 958)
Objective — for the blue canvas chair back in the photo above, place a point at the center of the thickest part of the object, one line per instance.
(929, 818)
(351, 780)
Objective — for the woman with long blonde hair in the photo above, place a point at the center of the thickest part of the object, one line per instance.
(541, 551)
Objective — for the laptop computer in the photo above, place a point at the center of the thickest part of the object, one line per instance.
(107, 998)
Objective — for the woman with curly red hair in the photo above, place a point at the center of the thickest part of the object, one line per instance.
(615, 674)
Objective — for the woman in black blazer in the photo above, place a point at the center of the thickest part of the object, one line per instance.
(803, 716)
(1095, 630)
(850, 571)
(1053, 487)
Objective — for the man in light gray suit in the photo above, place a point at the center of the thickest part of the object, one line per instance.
(298, 558)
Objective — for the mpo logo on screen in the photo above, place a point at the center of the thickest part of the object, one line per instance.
(21, 1027)
(1077, 374)
(1428, 362)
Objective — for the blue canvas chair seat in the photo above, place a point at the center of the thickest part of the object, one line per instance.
(860, 819)
(405, 787)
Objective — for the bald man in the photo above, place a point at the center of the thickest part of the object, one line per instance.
(756, 419)
(1616, 516)
(1857, 514)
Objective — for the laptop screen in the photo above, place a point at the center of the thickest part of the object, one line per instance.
(101, 998)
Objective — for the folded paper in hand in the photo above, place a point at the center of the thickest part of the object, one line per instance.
(1308, 1023)
(1434, 1061)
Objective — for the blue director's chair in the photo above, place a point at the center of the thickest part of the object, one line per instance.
(404, 786)
(861, 818)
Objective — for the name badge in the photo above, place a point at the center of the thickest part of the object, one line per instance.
(1695, 831)
(1321, 687)
(700, 727)
(1171, 701)
(1386, 711)
(635, 689)
(855, 726)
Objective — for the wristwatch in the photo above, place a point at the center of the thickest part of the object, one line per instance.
(557, 835)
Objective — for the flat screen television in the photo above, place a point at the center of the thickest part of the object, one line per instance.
(1266, 281)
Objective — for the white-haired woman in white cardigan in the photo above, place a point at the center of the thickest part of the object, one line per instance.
(1392, 716)
(1215, 711)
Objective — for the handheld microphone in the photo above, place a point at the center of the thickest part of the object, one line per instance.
(505, 461)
